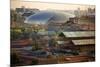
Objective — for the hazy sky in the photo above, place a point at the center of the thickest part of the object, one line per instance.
(44, 6)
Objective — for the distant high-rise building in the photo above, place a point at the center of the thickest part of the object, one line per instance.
(77, 12)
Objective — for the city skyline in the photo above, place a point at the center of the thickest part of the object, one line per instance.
(45, 6)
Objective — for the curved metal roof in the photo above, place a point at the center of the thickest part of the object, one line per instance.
(79, 34)
(43, 17)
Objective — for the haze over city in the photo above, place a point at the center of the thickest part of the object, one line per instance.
(44, 6)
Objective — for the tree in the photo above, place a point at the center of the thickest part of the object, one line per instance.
(15, 35)
(61, 34)
(35, 45)
(35, 38)
(52, 42)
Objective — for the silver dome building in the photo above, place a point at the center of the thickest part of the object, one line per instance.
(44, 17)
(50, 20)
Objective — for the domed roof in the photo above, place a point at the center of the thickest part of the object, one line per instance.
(44, 17)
